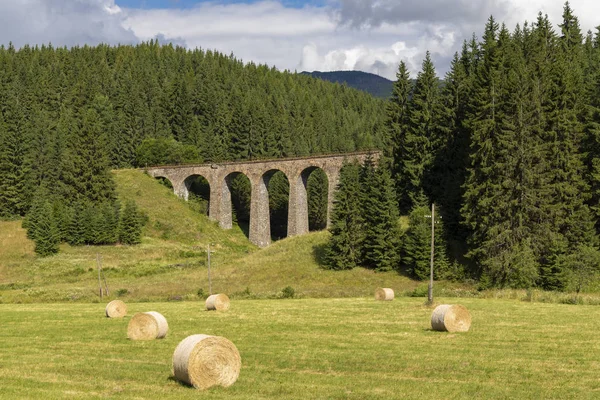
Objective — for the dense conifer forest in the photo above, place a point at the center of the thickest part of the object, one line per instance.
(507, 146)
(67, 116)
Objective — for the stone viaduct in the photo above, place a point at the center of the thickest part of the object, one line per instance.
(297, 170)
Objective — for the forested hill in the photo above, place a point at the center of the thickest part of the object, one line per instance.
(73, 110)
(370, 83)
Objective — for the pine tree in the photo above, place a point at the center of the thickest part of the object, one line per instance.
(482, 185)
(568, 215)
(396, 122)
(422, 137)
(452, 160)
(85, 166)
(416, 244)
(130, 227)
(380, 214)
(13, 144)
(345, 246)
(47, 236)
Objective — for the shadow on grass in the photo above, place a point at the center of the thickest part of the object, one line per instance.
(319, 253)
(182, 384)
(244, 227)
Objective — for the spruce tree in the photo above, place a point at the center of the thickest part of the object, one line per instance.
(13, 145)
(482, 185)
(396, 121)
(130, 227)
(422, 138)
(569, 216)
(47, 235)
(344, 249)
(416, 244)
(452, 159)
(380, 215)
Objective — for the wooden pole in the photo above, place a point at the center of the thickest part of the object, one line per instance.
(430, 288)
(104, 278)
(99, 280)
(209, 280)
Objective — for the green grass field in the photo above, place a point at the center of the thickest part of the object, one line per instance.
(308, 349)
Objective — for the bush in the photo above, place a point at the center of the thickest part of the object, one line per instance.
(122, 292)
(288, 292)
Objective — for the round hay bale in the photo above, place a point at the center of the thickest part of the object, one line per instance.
(384, 294)
(451, 318)
(147, 326)
(116, 309)
(219, 302)
(204, 361)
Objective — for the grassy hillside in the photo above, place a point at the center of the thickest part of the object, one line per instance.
(308, 349)
(170, 263)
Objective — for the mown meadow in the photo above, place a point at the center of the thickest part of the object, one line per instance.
(353, 348)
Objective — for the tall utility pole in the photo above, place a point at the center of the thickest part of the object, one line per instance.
(430, 289)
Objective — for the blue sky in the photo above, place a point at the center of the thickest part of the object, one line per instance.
(302, 35)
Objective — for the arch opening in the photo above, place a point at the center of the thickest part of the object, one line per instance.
(165, 182)
(278, 188)
(317, 189)
(240, 190)
(198, 193)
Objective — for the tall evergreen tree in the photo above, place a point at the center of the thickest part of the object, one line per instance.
(396, 122)
(416, 244)
(130, 227)
(380, 214)
(421, 139)
(13, 144)
(345, 246)
(47, 235)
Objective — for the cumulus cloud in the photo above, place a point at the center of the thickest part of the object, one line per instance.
(368, 35)
(63, 23)
(373, 13)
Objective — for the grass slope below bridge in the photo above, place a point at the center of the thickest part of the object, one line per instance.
(170, 263)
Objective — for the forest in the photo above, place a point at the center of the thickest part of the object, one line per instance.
(506, 145)
(508, 148)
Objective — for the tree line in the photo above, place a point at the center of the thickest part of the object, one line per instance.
(68, 115)
(508, 147)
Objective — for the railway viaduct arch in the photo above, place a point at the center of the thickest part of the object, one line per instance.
(259, 173)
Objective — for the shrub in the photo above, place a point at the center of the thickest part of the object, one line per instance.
(288, 292)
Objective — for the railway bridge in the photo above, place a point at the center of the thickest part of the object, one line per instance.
(297, 171)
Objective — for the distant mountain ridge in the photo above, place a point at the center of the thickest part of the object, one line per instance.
(374, 84)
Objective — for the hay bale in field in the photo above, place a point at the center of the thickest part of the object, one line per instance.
(116, 309)
(384, 294)
(451, 318)
(204, 361)
(147, 326)
(219, 302)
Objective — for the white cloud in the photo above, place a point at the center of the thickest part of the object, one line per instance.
(74, 22)
(370, 35)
